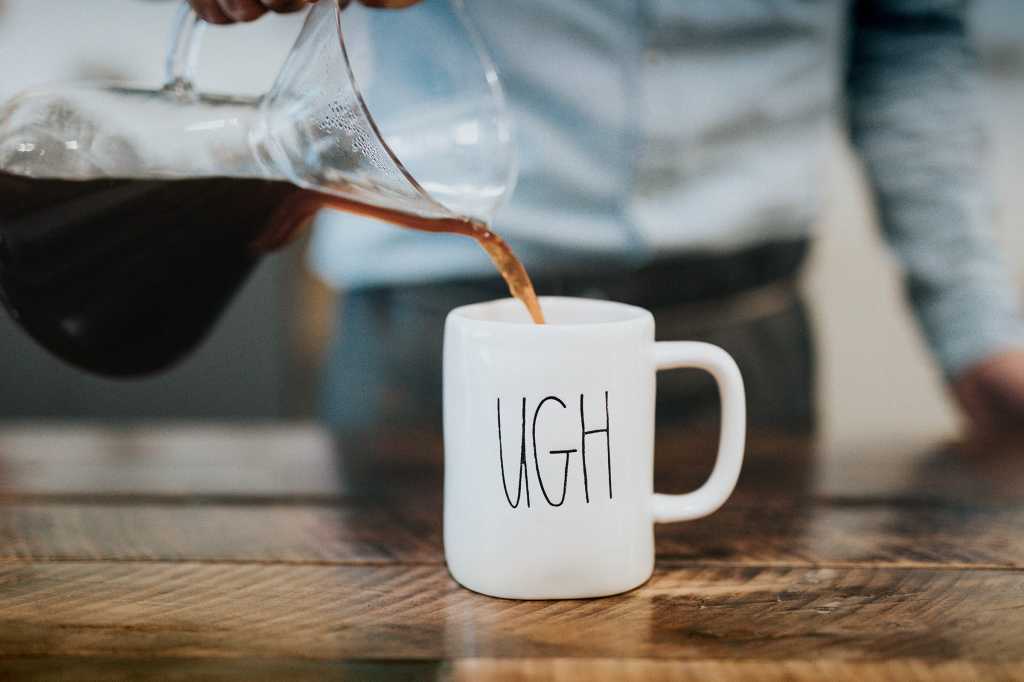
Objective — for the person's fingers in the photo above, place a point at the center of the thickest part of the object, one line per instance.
(243, 10)
(230, 11)
(210, 11)
(991, 393)
(973, 402)
(285, 6)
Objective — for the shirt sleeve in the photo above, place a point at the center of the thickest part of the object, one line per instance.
(913, 117)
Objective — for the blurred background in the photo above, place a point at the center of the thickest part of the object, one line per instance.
(263, 359)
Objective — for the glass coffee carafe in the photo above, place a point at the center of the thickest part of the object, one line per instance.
(129, 216)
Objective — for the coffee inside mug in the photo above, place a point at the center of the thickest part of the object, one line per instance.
(558, 312)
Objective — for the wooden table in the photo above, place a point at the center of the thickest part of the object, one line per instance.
(279, 552)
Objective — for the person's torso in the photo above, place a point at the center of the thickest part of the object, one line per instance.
(643, 129)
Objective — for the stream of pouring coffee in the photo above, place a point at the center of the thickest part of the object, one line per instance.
(296, 213)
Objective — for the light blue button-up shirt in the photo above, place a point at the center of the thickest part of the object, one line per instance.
(649, 128)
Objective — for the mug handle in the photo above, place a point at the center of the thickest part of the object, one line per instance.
(716, 490)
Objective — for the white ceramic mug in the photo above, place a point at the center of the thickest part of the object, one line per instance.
(549, 446)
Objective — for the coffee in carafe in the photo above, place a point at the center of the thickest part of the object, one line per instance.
(125, 277)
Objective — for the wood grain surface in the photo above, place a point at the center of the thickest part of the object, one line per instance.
(409, 531)
(264, 552)
(417, 612)
(212, 669)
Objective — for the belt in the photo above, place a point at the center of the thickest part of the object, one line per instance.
(690, 278)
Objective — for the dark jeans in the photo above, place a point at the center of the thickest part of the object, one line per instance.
(385, 363)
